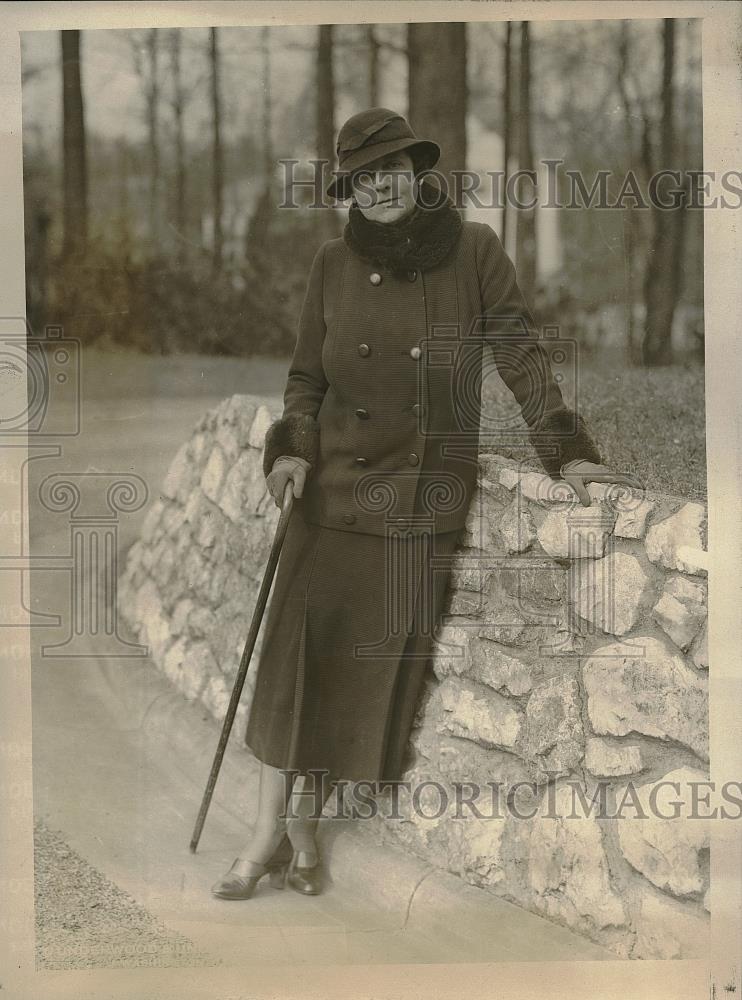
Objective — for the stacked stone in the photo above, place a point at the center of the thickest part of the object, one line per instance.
(192, 577)
(574, 653)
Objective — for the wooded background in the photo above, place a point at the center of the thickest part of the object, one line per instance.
(152, 180)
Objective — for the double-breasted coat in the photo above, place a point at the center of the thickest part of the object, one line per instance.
(383, 398)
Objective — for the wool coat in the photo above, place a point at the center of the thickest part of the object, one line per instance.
(383, 399)
(346, 647)
(383, 394)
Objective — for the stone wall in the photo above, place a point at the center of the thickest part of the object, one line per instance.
(573, 655)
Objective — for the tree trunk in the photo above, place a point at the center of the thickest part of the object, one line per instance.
(178, 106)
(623, 73)
(662, 278)
(268, 164)
(373, 66)
(37, 266)
(124, 234)
(217, 175)
(325, 117)
(325, 122)
(259, 228)
(75, 175)
(507, 124)
(438, 93)
(153, 100)
(526, 218)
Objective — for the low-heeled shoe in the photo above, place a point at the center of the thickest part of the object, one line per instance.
(305, 879)
(242, 878)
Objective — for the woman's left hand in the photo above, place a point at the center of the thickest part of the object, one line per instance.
(579, 473)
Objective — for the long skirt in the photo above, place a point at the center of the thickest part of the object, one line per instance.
(348, 636)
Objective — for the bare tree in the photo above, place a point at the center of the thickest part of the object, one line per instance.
(374, 48)
(325, 113)
(623, 76)
(268, 162)
(123, 196)
(178, 104)
(662, 276)
(325, 122)
(259, 228)
(146, 64)
(217, 163)
(526, 219)
(75, 174)
(437, 90)
(507, 124)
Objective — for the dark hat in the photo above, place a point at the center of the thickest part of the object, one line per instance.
(373, 133)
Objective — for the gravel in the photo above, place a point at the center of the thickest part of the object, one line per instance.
(84, 921)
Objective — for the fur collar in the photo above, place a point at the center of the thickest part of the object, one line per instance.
(420, 240)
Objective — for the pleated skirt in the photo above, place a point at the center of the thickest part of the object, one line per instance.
(347, 640)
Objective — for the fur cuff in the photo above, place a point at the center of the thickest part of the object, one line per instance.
(563, 437)
(296, 435)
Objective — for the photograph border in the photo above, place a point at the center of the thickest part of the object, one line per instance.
(674, 980)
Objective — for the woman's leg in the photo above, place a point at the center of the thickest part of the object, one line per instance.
(310, 792)
(274, 793)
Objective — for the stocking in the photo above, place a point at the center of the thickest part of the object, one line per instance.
(274, 793)
(310, 792)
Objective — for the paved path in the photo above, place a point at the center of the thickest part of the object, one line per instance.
(120, 762)
(135, 411)
(125, 802)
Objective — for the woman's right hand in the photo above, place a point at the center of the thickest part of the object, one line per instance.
(287, 468)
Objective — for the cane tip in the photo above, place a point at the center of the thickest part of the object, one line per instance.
(192, 847)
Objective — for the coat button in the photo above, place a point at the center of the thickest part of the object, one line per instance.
(364, 350)
(416, 353)
(402, 522)
(349, 518)
(362, 462)
(412, 275)
(362, 414)
(417, 410)
(412, 458)
(375, 278)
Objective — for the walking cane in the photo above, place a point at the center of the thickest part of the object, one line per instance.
(270, 569)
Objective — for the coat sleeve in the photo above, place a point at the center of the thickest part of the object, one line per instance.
(558, 434)
(296, 433)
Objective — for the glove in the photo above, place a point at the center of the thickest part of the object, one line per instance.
(580, 472)
(284, 469)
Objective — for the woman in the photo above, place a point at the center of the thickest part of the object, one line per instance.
(379, 437)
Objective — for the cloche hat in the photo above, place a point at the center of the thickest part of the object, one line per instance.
(371, 134)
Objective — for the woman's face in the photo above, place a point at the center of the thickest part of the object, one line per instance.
(385, 189)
